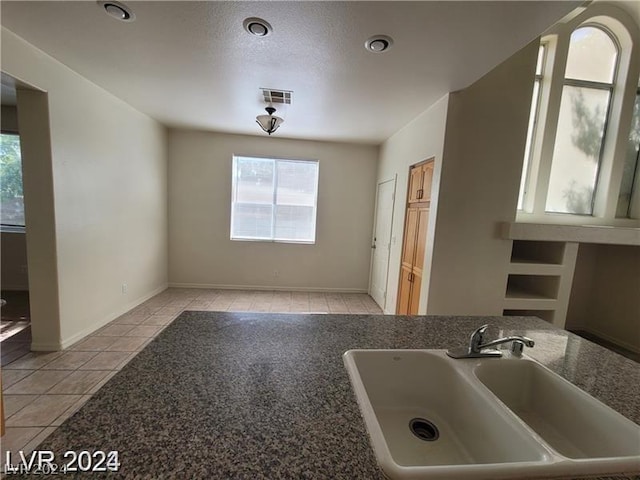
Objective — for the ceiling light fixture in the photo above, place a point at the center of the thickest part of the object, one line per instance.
(117, 10)
(257, 26)
(269, 123)
(378, 43)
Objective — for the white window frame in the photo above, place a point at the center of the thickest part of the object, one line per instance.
(626, 34)
(272, 238)
(532, 129)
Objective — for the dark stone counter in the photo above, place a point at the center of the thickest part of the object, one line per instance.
(247, 395)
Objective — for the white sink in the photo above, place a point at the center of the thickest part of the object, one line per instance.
(495, 418)
(571, 421)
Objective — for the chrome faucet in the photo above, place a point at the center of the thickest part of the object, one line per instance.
(478, 349)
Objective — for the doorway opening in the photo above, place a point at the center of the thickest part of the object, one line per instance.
(15, 308)
(381, 242)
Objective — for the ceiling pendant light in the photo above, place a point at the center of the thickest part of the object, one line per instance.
(269, 123)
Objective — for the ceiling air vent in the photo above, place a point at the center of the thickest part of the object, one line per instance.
(277, 96)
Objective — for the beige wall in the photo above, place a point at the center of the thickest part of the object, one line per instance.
(477, 136)
(108, 195)
(13, 248)
(9, 119)
(421, 139)
(605, 298)
(479, 182)
(200, 251)
(39, 209)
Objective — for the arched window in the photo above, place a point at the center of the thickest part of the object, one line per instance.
(582, 121)
(581, 162)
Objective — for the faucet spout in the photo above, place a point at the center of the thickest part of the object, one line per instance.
(478, 349)
(515, 338)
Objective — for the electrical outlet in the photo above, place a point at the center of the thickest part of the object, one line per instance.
(124, 288)
(276, 273)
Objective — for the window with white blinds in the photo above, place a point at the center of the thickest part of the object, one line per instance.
(274, 199)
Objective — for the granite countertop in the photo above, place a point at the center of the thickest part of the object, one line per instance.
(247, 395)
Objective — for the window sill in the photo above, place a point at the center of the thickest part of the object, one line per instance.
(265, 240)
(12, 229)
(576, 220)
(609, 235)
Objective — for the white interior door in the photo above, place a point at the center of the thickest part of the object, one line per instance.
(381, 243)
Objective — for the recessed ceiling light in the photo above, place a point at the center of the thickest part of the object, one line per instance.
(117, 10)
(378, 43)
(257, 26)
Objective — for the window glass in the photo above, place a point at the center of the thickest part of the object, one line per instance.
(11, 199)
(631, 164)
(527, 150)
(297, 183)
(577, 148)
(295, 222)
(254, 181)
(295, 200)
(533, 116)
(274, 199)
(540, 61)
(252, 221)
(592, 56)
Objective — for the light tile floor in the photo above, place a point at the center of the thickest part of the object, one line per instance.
(41, 390)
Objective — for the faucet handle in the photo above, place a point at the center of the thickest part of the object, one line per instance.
(477, 338)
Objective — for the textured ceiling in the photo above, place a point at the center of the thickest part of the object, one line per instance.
(191, 64)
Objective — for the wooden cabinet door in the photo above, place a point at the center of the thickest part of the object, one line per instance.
(427, 179)
(415, 184)
(404, 292)
(409, 242)
(414, 299)
(420, 179)
(421, 240)
(415, 238)
(414, 274)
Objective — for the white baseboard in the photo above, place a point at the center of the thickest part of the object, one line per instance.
(267, 287)
(45, 347)
(609, 338)
(67, 342)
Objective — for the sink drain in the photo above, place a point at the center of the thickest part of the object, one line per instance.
(424, 429)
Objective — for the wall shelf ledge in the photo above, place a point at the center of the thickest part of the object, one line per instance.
(571, 233)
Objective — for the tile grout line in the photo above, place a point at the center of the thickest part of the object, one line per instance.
(168, 305)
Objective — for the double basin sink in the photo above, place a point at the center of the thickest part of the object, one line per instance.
(434, 417)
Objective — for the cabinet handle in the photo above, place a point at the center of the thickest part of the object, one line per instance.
(420, 193)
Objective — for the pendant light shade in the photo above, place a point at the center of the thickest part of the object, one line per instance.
(269, 123)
